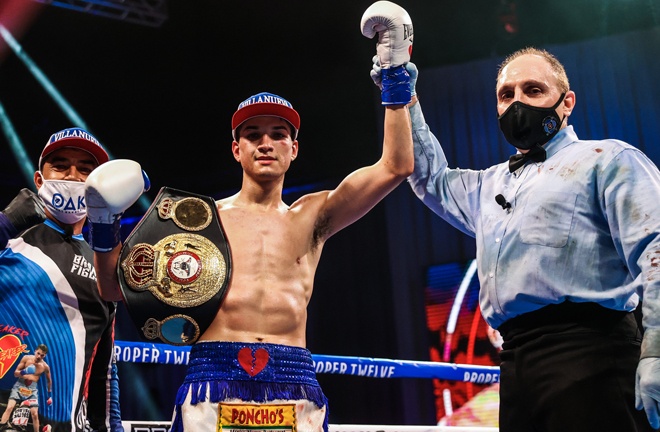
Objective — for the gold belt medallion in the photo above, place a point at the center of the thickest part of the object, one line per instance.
(181, 270)
(191, 214)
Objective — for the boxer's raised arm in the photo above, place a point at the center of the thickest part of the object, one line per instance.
(364, 188)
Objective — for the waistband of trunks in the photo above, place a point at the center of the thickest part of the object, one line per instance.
(260, 362)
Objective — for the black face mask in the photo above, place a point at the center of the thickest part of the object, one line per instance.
(525, 126)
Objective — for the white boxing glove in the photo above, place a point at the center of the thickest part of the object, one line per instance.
(109, 191)
(395, 32)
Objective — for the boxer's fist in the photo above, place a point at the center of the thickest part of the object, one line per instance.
(112, 188)
(395, 32)
(24, 211)
(29, 370)
(109, 191)
(49, 401)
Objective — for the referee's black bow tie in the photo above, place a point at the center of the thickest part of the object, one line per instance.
(536, 154)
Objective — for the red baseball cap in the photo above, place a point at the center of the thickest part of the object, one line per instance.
(75, 138)
(265, 104)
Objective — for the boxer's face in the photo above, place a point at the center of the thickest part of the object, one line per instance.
(265, 146)
(39, 355)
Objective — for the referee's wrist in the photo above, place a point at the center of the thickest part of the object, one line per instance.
(650, 343)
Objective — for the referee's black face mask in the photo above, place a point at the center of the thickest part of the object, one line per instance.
(524, 125)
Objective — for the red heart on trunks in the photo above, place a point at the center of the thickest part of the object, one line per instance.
(10, 349)
(253, 364)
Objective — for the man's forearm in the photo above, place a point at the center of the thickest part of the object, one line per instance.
(107, 281)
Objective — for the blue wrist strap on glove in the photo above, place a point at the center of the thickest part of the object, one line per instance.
(395, 86)
(104, 237)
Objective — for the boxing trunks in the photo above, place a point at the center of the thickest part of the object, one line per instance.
(25, 390)
(249, 386)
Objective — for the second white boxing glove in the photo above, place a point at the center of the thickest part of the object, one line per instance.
(109, 191)
(395, 32)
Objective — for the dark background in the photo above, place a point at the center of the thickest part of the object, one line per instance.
(164, 95)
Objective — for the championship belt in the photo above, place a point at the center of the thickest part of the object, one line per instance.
(175, 267)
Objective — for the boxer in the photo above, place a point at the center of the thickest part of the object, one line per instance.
(251, 368)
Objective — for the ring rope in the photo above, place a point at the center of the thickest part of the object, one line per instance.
(141, 352)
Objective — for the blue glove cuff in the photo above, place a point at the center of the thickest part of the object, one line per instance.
(104, 237)
(396, 86)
